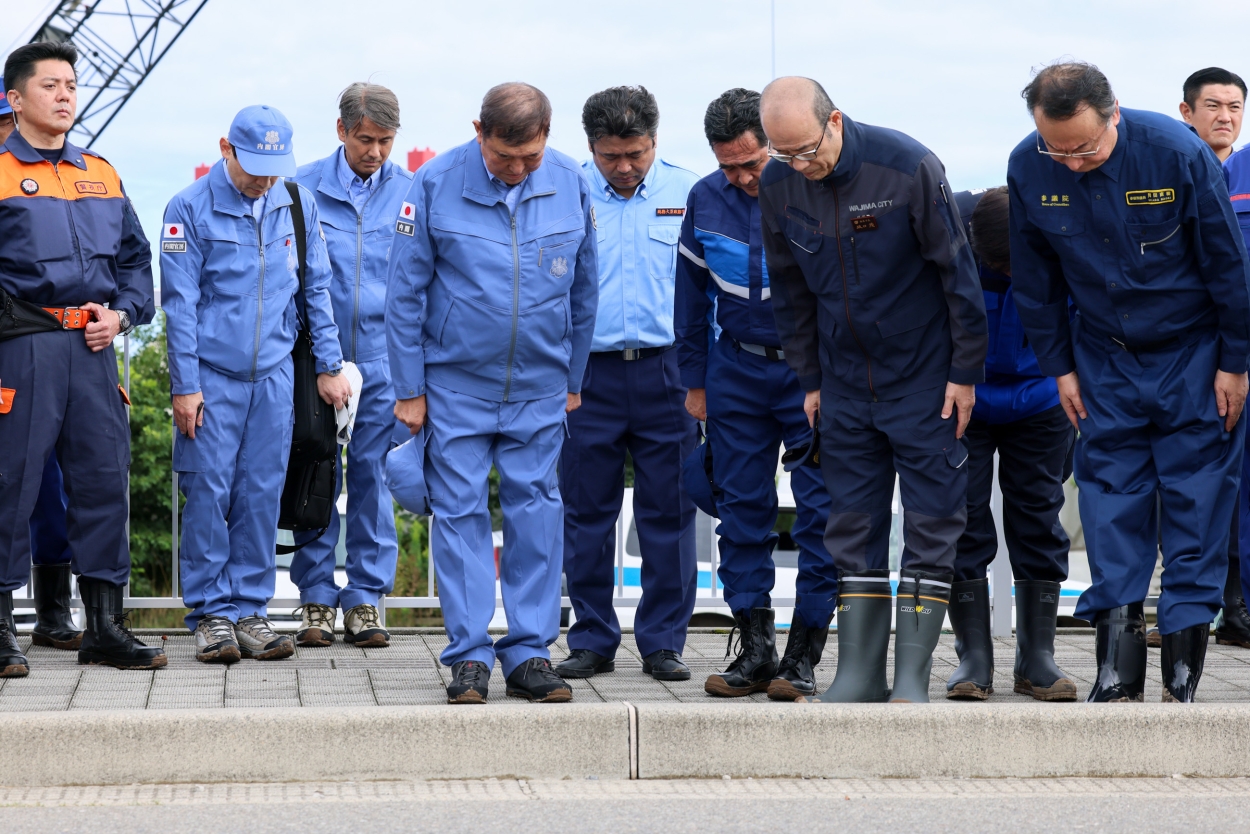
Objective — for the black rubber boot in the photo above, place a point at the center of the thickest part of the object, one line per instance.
(54, 620)
(922, 603)
(864, 606)
(107, 641)
(970, 617)
(1181, 657)
(13, 663)
(1036, 674)
(755, 664)
(1234, 622)
(796, 674)
(1120, 648)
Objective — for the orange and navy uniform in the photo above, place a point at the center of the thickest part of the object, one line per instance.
(68, 233)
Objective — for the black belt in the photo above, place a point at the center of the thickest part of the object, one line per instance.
(772, 353)
(1147, 347)
(634, 354)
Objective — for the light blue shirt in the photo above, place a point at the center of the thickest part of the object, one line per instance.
(638, 256)
(358, 190)
(511, 193)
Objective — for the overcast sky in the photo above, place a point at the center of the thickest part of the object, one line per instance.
(947, 73)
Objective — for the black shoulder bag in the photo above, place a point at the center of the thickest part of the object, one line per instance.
(308, 495)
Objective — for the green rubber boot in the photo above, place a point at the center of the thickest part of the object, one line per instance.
(864, 604)
(922, 602)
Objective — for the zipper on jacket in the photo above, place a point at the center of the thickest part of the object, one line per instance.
(1161, 240)
(516, 302)
(837, 231)
(360, 243)
(855, 261)
(69, 216)
(260, 298)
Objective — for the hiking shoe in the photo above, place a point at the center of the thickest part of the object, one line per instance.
(316, 626)
(470, 682)
(535, 680)
(214, 641)
(361, 627)
(259, 641)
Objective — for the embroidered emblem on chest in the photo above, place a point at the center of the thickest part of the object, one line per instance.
(29, 186)
(670, 212)
(559, 267)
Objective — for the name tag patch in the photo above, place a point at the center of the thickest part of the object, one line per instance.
(405, 228)
(670, 212)
(1055, 200)
(1150, 197)
(173, 246)
(864, 223)
(91, 188)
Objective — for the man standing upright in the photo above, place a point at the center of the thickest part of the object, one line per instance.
(1127, 212)
(358, 195)
(632, 400)
(490, 308)
(880, 312)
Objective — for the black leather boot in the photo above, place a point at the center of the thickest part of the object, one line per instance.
(864, 605)
(796, 674)
(1234, 622)
(107, 641)
(755, 664)
(1181, 657)
(970, 617)
(1120, 648)
(54, 621)
(1036, 674)
(13, 663)
(921, 605)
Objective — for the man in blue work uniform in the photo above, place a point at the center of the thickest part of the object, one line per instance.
(632, 401)
(230, 291)
(70, 244)
(1017, 415)
(881, 316)
(1127, 212)
(490, 308)
(1237, 175)
(358, 193)
(741, 385)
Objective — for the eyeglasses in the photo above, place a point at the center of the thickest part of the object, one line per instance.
(805, 156)
(1080, 155)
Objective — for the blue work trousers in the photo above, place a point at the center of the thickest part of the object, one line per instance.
(1034, 460)
(754, 404)
(636, 406)
(862, 445)
(1153, 436)
(232, 475)
(465, 437)
(371, 544)
(65, 401)
(49, 537)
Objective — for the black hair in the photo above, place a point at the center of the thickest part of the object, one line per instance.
(1064, 89)
(733, 113)
(620, 111)
(515, 112)
(19, 67)
(991, 238)
(1210, 75)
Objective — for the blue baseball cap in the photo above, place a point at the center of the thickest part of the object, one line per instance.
(262, 139)
(696, 474)
(4, 99)
(405, 473)
(803, 454)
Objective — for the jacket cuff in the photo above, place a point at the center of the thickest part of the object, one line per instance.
(409, 386)
(810, 382)
(694, 377)
(1232, 362)
(1057, 366)
(967, 376)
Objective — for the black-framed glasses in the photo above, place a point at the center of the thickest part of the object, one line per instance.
(1079, 155)
(805, 156)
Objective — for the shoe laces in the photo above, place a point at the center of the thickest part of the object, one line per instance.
(542, 667)
(218, 628)
(368, 616)
(121, 622)
(915, 594)
(743, 645)
(318, 615)
(472, 673)
(259, 626)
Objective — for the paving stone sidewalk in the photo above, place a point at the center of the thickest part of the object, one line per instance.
(408, 672)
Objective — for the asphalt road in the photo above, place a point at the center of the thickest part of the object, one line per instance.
(722, 807)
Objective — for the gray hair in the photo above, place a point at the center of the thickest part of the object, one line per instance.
(372, 101)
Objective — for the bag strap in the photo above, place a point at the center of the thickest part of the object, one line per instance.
(301, 241)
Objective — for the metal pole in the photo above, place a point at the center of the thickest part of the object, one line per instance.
(429, 562)
(173, 567)
(126, 385)
(1000, 568)
(772, 26)
(713, 554)
(620, 553)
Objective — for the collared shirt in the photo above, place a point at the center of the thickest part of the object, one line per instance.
(1146, 244)
(637, 240)
(510, 193)
(358, 190)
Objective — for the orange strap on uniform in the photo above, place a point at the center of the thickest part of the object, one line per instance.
(71, 318)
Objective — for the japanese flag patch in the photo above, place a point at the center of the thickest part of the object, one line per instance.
(173, 238)
(407, 215)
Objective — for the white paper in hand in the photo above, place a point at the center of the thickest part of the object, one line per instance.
(345, 417)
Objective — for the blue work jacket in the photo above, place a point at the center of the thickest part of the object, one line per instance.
(359, 244)
(1147, 245)
(68, 234)
(229, 283)
(637, 246)
(1015, 387)
(722, 267)
(485, 302)
(1237, 175)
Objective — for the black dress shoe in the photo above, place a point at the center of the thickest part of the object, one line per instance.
(665, 665)
(470, 681)
(583, 663)
(535, 680)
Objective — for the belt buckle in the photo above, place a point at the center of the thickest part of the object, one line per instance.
(65, 314)
(631, 354)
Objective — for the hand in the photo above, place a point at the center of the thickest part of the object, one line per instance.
(696, 403)
(101, 332)
(412, 413)
(961, 398)
(188, 413)
(335, 390)
(1070, 398)
(1230, 396)
(574, 403)
(811, 407)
